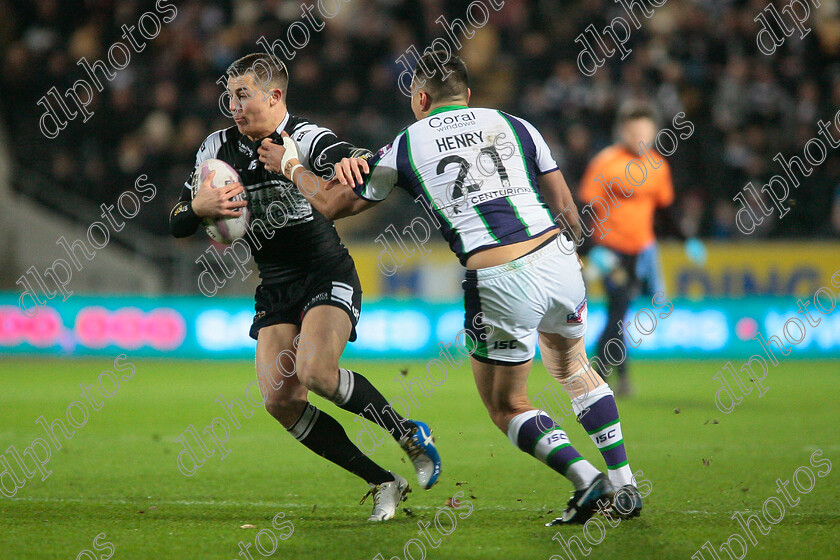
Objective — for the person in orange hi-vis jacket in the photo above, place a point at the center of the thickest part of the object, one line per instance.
(621, 190)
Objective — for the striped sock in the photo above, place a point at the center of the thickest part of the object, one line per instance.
(321, 433)
(357, 395)
(535, 433)
(598, 414)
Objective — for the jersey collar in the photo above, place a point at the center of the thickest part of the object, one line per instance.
(447, 108)
(283, 124)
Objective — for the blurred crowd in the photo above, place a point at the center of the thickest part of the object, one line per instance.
(694, 56)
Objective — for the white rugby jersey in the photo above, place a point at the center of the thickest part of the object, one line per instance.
(476, 169)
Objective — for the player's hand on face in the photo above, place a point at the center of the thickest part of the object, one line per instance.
(271, 155)
(216, 203)
(349, 171)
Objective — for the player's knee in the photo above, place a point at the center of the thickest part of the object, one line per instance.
(563, 357)
(286, 409)
(499, 418)
(504, 408)
(318, 375)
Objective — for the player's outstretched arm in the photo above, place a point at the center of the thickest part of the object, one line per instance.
(350, 170)
(329, 198)
(556, 192)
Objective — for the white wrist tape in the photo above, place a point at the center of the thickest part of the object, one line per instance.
(291, 151)
(293, 169)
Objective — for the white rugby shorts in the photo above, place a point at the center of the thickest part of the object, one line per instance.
(540, 291)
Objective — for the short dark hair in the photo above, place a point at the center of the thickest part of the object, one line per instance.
(442, 80)
(268, 70)
(632, 111)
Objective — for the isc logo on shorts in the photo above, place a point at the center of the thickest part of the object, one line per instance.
(577, 316)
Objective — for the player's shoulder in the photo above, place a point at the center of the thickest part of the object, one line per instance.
(215, 140)
(522, 127)
(295, 123)
(513, 119)
(399, 139)
(299, 127)
(507, 115)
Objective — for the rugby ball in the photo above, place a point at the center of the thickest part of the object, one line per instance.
(223, 230)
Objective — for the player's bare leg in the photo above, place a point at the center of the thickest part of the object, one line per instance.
(594, 404)
(563, 358)
(324, 334)
(286, 401)
(504, 391)
(285, 397)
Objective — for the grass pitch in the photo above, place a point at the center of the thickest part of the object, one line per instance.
(118, 474)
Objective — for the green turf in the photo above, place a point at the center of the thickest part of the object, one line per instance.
(118, 475)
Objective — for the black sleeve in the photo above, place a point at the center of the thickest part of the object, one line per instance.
(183, 221)
(328, 150)
(322, 148)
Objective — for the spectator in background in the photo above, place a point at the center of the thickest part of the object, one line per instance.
(625, 251)
(701, 58)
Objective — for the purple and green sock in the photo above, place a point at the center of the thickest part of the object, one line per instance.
(535, 433)
(598, 414)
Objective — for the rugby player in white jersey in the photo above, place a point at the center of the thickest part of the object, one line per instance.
(494, 191)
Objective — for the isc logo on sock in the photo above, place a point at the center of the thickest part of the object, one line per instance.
(604, 437)
(555, 437)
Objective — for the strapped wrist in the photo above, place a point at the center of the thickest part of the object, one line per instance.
(293, 169)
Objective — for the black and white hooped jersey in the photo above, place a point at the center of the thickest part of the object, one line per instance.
(291, 234)
(476, 169)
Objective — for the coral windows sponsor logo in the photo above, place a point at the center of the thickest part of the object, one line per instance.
(449, 122)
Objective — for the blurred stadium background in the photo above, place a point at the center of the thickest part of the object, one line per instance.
(698, 57)
(139, 295)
